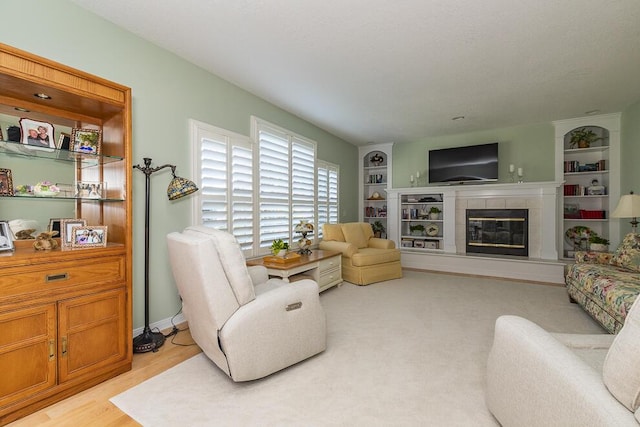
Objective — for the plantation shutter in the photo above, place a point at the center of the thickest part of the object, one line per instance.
(327, 195)
(226, 183)
(274, 185)
(303, 194)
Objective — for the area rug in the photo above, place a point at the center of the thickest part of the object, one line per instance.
(405, 352)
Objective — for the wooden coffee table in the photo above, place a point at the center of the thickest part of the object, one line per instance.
(325, 267)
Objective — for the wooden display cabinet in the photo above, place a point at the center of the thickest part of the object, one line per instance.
(65, 314)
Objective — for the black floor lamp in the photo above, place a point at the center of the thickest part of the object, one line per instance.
(178, 188)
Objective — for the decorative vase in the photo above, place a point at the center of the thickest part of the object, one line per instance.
(45, 189)
(45, 193)
(304, 245)
(434, 215)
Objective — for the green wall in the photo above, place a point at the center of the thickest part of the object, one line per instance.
(527, 146)
(630, 155)
(167, 91)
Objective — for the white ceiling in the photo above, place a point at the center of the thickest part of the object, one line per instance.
(398, 71)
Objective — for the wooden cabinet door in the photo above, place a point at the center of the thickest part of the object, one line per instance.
(91, 333)
(27, 352)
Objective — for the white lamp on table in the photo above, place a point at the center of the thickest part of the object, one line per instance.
(628, 207)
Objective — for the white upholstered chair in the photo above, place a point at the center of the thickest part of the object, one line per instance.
(535, 378)
(249, 325)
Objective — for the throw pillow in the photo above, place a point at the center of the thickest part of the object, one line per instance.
(628, 253)
(353, 234)
(621, 370)
(332, 232)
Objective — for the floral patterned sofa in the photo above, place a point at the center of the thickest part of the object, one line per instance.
(606, 284)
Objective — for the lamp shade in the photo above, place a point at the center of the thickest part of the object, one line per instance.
(180, 187)
(628, 207)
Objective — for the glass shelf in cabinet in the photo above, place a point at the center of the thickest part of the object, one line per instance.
(84, 199)
(86, 160)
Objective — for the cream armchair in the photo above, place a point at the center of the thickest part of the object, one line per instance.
(535, 378)
(249, 325)
(365, 259)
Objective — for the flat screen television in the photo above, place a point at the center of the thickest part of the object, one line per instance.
(457, 165)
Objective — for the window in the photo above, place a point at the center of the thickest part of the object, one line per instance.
(287, 189)
(225, 199)
(258, 189)
(328, 174)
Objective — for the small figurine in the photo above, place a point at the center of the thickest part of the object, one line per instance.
(45, 242)
(25, 234)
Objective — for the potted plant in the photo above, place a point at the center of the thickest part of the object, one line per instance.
(598, 244)
(583, 138)
(434, 212)
(279, 247)
(378, 229)
(417, 230)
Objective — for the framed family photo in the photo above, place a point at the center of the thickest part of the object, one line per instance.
(6, 242)
(89, 237)
(36, 134)
(66, 230)
(6, 182)
(90, 189)
(87, 141)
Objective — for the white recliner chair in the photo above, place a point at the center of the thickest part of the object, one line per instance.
(535, 378)
(250, 326)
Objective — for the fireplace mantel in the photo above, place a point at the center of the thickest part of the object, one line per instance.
(540, 198)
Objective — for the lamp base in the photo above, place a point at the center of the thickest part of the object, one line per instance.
(148, 341)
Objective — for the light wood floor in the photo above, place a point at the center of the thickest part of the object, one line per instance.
(92, 407)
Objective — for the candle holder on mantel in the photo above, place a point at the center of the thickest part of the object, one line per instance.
(520, 176)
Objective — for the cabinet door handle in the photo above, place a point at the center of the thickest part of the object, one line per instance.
(64, 346)
(56, 277)
(52, 349)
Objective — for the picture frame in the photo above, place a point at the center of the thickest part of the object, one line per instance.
(90, 189)
(88, 141)
(66, 230)
(89, 237)
(406, 243)
(6, 182)
(66, 190)
(571, 211)
(6, 240)
(64, 141)
(55, 225)
(36, 135)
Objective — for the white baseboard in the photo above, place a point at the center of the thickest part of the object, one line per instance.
(162, 324)
(536, 270)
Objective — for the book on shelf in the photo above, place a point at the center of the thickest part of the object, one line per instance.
(571, 166)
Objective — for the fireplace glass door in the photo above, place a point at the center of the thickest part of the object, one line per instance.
(497, 231)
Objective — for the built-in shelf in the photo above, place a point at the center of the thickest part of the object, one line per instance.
(84, 159)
